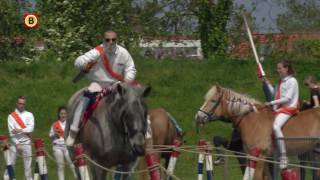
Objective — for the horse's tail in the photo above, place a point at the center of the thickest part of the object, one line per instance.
(176, 125)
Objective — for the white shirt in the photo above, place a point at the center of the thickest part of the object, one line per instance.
(289, 92)
(120, 60)
(28, 120)
(60, 140)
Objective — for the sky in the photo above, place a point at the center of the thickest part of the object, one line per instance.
(266, 13)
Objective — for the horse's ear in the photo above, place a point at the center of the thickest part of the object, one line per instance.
(120, 89)
(146, 91)
(218, 88)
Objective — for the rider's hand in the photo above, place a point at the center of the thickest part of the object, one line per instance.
(16, 131)
(88, 66)
(268, 104)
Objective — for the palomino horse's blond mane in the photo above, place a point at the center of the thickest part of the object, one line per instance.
(237, 103)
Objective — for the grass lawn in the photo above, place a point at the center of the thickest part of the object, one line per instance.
(177, 85)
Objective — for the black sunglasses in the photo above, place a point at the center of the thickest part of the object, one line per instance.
(108, 40)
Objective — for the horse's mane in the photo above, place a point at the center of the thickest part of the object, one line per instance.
(231, 95)
(241, 97)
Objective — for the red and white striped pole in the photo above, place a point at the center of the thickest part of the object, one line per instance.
(251, 166)
(289, 174)
(7, 157)
(153, 162)
(41, 161)
(201, 145)
(81, 162)
(173, 158)
(209, 166)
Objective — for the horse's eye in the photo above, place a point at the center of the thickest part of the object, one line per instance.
(213, 101)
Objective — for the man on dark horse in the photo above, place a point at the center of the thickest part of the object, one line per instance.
(105, 65)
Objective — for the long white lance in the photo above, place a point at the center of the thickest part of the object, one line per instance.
(260, 69)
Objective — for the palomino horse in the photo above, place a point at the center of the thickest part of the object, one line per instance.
(256, 126)
(115, 131)
(163, 133)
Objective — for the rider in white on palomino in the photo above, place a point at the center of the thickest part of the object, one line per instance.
(285, 104)
(109, 63)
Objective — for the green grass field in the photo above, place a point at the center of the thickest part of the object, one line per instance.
(177, 85)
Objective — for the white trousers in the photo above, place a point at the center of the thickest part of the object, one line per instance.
(279, 121)
(61, 153)
(24, 151)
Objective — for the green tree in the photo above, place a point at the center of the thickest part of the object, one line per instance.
(15, 41)
(213, 18)
(72, 27)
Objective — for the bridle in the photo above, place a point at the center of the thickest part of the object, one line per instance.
(214, 107)
(239, 117)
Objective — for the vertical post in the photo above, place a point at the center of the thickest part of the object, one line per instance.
(201, 145)
(153, 161)
(173, 158)
(289, 174)
(6, 153)
(208, 157)
(36, 171)
(81, 162)
(41, 161)
(251, 166)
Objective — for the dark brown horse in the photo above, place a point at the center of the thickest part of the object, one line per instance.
(256, 127)
(115, 132)
(163, 133)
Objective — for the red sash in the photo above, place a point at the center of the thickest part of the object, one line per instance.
(58, 129)
(284, 109)
(18, 119)
(108, 67)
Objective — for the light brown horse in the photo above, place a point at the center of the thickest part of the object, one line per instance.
(163, 133)
(256, 127)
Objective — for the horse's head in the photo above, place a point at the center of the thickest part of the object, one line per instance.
(129, 112)
(224, 104)
(211, 108)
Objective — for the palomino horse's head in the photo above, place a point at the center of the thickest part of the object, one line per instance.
(221, 103)
(210, 110)
(128, 111)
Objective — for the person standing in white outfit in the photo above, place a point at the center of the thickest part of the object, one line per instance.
(20, 126)
(60, 150)
(285, 104)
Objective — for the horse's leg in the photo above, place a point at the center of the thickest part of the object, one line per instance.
(258, 175)
(316, 158)
(302, 161)
(266, 171)
(98, 173)
(143, 166)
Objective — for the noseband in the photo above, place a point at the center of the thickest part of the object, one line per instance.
(210, 113)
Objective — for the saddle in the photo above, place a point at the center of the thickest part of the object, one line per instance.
(93, 106)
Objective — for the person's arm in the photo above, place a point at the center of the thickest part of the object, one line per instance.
(11, 128)
(29, 124)
(52, 134)
(269, 85)
(130, 70)
(88, 57)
